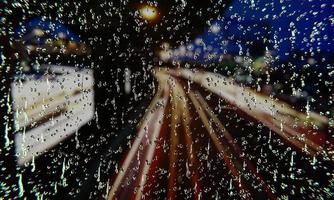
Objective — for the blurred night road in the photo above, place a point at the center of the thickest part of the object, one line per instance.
(193, 151)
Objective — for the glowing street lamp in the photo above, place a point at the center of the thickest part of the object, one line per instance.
(148, 12)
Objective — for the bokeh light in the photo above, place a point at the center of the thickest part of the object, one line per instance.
(148, 12)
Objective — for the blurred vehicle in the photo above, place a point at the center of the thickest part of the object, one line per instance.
(51, 101)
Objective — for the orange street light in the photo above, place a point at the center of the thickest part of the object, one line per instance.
(148, 12)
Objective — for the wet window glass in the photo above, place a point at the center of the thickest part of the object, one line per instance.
(168, 99)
